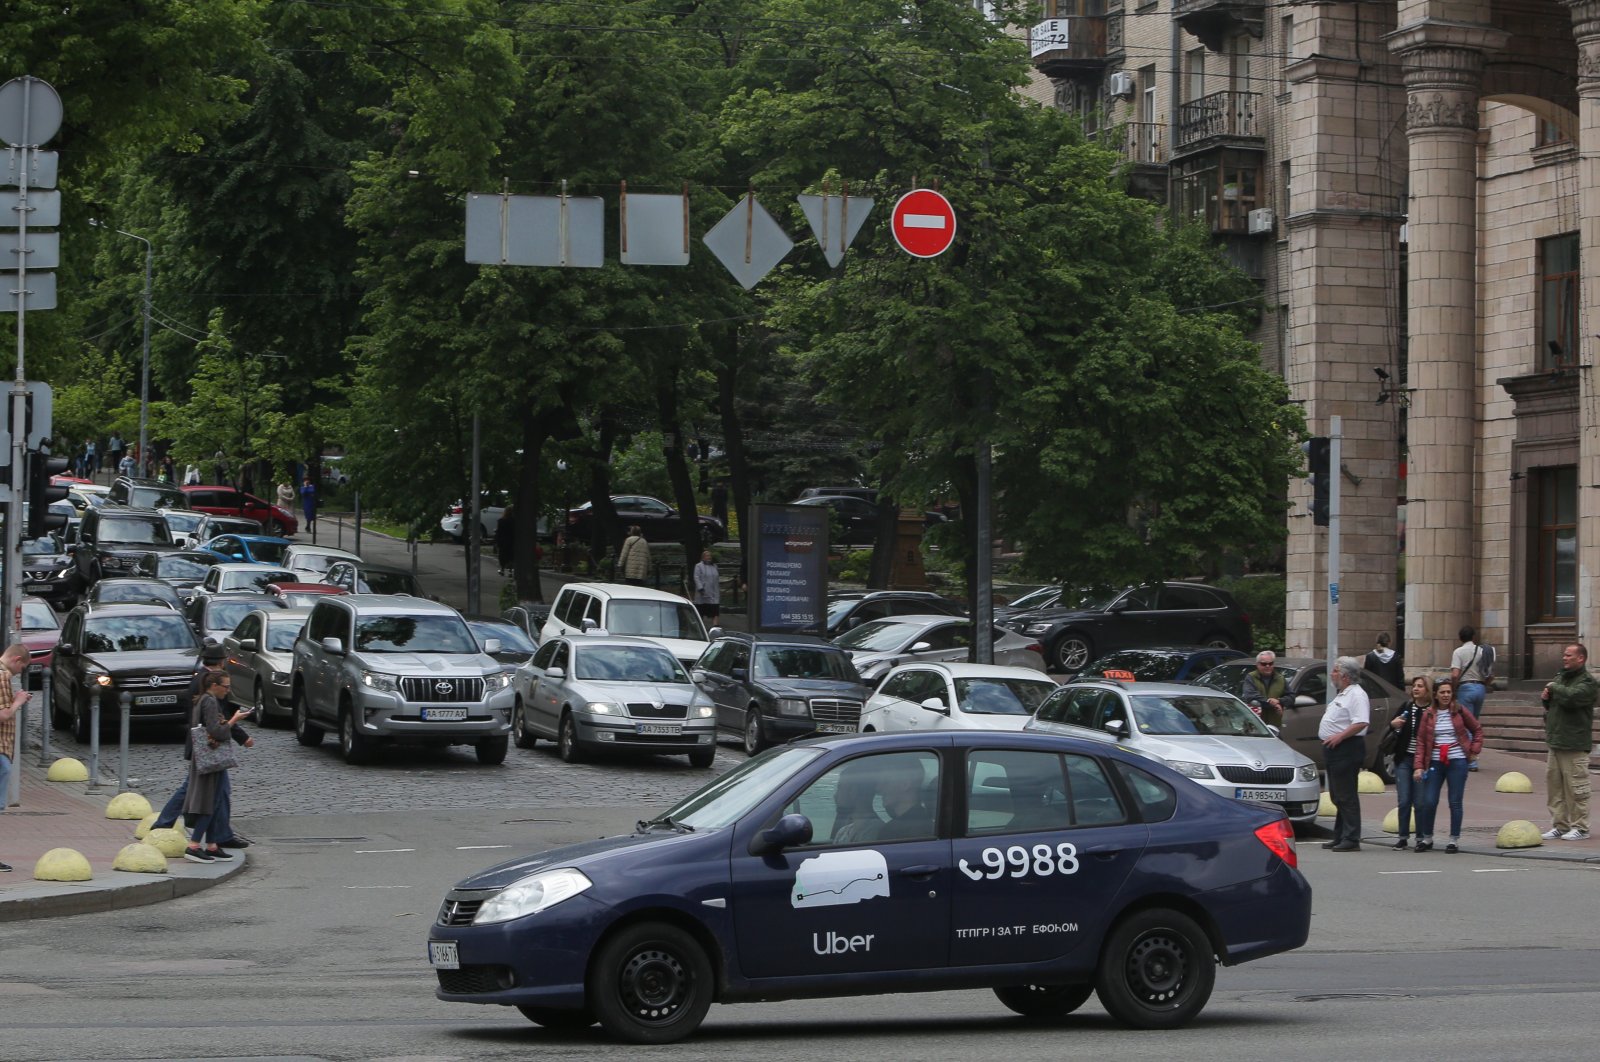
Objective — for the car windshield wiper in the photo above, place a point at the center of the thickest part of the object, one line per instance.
(645, 825)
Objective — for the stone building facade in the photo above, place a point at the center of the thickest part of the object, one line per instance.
(1417, 190)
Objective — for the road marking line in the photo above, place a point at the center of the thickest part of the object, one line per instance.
(382, 851)
(923, 221)
(377, 886)
(1497, 870)
(1410, 872)
(479, 847)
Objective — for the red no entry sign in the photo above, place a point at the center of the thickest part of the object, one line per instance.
(923, 223)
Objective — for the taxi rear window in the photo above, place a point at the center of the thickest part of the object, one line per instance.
(1020, 791)
(1156, 799)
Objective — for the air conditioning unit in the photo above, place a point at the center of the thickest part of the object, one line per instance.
(1120, 84)
(1261, 221)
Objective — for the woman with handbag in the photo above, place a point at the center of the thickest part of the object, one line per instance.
(1401, 744)
(212, 742)
(1448, 738)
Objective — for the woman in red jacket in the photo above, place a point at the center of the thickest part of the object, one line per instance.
(1447, 739)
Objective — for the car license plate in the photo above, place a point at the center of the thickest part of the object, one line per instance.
(660, 728)
(444, 715)
(1261, 794)
(442, 955)
(35, 588)
(157, 698)
(836, 728)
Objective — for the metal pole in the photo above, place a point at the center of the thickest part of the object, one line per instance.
(94, 738)
(19, 394)
(46, 718)
(983, 606)
(358, 522)
(125, 699)
(1334, 474)
(144, 367)
(474, 539)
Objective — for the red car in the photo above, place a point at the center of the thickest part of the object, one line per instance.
(225, 501)
(40, 633)
(301, 595)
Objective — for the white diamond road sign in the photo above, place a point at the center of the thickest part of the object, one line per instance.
(748, 242)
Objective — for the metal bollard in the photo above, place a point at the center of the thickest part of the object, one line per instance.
(47, 718)
(357, 546)
(126, 700)
(94, 738)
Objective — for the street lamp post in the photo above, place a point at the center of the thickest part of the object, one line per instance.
(144, 366)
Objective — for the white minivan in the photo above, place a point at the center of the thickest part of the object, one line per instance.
(618, 608)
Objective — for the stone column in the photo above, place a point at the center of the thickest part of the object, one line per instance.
(1586, 30)
(1442, 63)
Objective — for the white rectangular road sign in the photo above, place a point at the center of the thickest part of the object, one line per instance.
(41, 168)
(44, 250)
(536, 230)
(41, 291)
(44, 209)
(655, 229)
(923, 221)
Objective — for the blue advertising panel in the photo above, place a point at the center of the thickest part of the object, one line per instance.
(789, 568)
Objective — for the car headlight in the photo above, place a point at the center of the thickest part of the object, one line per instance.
(375, 680)
(1038, 628)
(1191, 770)
(100, 675)
(703, 711)
(500, 680)
(604, 708)
(531, 895)
(1308, 772)
(793, 706)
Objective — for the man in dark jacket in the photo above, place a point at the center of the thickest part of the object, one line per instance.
(1569, 701)
(1263, 689)
(1385, 663)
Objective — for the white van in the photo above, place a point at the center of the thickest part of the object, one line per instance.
(631, 610)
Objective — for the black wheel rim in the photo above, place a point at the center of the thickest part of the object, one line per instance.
(655, 985)
(1158, 969)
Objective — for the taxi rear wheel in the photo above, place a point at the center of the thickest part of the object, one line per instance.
(651, 983)
(551, 1018)
(1044, 1001)
(1156, 971)
(567, 741)
(525, 738)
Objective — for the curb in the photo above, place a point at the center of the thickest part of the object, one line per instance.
(121, 890)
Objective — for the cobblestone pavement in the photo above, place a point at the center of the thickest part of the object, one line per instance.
(280, 777)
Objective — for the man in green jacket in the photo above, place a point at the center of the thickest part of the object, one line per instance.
(1568, 731)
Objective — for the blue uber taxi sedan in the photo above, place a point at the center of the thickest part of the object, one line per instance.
(1044, 867)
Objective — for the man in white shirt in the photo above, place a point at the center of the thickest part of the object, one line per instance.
(1342, 733)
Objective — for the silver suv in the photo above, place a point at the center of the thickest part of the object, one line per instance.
(376, 669)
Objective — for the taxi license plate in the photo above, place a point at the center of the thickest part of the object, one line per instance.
(1261, 794)
(157, 698)
(36, 588)
(443, 715)
(442, 955)
(659, 728)
(836, 728)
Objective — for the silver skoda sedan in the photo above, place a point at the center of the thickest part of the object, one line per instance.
(1207, 735)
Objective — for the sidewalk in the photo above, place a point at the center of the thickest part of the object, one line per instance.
(1484, 812)
(72, 815)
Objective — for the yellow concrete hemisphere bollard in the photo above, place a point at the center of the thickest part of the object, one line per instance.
(1513, 782)
(143, 828)
(171, 843)
(1518, 833)
(127, 806)
(67, 769)
(139, 858)
(1391, 821)
(1367, 782)
(1325, 809)
(62, 864)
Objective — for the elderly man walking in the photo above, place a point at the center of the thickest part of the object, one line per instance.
(1569, 701)
(1342, 733)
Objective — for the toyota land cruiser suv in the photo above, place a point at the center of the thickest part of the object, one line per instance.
(378, 669)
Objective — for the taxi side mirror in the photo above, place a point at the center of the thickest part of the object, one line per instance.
(247, 645)
(791, 830)
(934, 704)
(921, 647)
(555, 672)
(697, 675)
(1304, 700)
(1115, 727)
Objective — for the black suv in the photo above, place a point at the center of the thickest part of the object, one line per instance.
(114, 541)
(770, 688)
(852, 608)
(1081, 626)
(146, 494)
(47, 571)
(148, 650)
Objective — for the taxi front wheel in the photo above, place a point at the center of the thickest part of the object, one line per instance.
(650, 983)
(1044, 1001)
(1156, 971)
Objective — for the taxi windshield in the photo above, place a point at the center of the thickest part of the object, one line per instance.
(995, 696)
(726, 799)
(1195, 714)
(627, 663)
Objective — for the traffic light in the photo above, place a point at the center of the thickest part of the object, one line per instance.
(1316, 449)
(41, 492)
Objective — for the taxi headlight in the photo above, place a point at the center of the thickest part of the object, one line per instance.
(703, 711)
(500, 680)
(1308, 772)
(531, 895)
(1191, 770)
(793, 706)
(603, 708)
(374, 680)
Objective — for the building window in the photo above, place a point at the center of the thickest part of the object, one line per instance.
(1285, 190)
(1239, 65)
(1219, 189)
(1194, 68)
(1550, 134)
(1558, 301)
(1285, 51)
(1556, 498)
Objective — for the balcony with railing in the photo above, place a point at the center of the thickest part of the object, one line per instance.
(1143, 145)
(1071, 41)
(1213, 21)
(1228, 118)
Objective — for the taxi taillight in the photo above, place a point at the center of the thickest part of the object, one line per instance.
(1279, 836)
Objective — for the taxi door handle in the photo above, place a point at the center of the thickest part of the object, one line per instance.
(1106, 853)
(925, 870)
